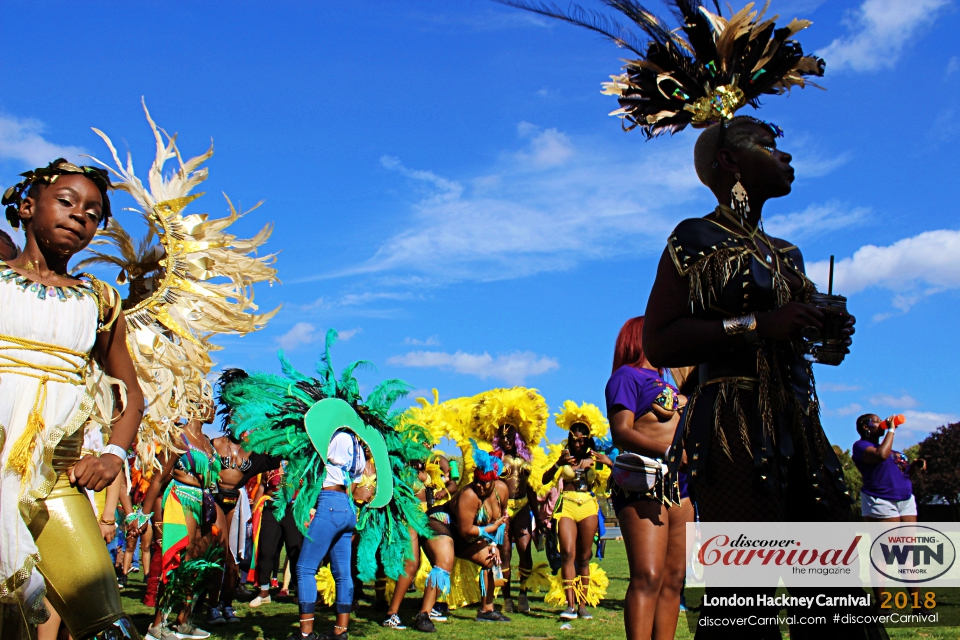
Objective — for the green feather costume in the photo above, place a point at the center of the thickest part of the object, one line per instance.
(268, 416)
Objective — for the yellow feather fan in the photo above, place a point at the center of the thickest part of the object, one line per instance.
(588, 414)
(539, 579)
(591, 593)
(326, 585)
(524, 408)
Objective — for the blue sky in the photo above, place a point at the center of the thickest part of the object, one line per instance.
(449, 192)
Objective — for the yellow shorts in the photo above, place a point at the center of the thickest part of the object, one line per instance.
(576, 505)
(515, 505)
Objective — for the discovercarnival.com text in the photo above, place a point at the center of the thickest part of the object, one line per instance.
(847, 618)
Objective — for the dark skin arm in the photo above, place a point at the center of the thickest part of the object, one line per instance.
(468, 504)
(93, 472)
(451, 486)
(629, 439)
(877, 454)
(157, 485)
(672, 337)
(564, 460)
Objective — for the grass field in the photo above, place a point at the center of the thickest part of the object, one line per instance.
(277, 620)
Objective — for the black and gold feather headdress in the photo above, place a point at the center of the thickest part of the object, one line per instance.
(699, 73)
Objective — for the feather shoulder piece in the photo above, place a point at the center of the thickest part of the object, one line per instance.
(698, 73)
(188, 280)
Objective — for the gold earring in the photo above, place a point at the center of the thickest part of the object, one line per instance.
(740, 201)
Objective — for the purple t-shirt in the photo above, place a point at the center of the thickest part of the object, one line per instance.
(637, 389)
(888, 479)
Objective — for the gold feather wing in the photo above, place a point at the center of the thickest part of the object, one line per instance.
(195, 281)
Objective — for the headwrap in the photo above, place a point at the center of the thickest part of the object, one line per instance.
(488, 467)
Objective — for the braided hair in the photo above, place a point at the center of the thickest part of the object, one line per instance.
(34, 181)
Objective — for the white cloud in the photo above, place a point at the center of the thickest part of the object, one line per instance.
(432, 341)
(839, 387)
(553, 203)
(345, 335)
(814, 220)
(22, 140)
(913, 268)
(953, 65)
(879, 30)
(513, 368)
(927, 421)
(849, 410)
(548, 148)
(903, 402)
(300, 334)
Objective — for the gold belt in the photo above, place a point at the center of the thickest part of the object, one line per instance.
(70, 372)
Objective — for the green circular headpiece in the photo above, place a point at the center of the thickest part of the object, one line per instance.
(330, 415)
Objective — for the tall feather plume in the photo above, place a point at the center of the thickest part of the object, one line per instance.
(189, 281)
(699, 73)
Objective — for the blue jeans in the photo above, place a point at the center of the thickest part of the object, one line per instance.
(330, 532)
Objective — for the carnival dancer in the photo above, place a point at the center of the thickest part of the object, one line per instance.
(60, 335)
(237, 467)
(727, 296)
(652, 507)
(514, 421)
(580, 472)
(298, 418)
(190, 528)
(475, 522)
(435, 488)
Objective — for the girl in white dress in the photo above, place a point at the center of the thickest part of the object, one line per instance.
(62, 348)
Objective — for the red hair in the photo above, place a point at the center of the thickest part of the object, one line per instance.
(629, 349)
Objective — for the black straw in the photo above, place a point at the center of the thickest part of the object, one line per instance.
(830, 285)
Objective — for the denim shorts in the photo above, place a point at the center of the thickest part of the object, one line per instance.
(871, 507)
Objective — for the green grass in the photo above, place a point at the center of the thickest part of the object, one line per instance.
(277, 620)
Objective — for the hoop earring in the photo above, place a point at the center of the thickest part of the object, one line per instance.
(740, 201)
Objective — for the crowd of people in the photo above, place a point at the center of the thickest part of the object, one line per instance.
(711, 408)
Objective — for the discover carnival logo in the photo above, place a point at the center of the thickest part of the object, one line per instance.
(912, 553)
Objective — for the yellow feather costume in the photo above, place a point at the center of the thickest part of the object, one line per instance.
(523, 408)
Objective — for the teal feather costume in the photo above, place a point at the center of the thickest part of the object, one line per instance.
(268, 416)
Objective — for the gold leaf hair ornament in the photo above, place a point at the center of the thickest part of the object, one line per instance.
(13, 197)
(189, 281)
(701, 72)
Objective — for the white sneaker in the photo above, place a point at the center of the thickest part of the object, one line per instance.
(436, 616)
(187, 631)
(256, 602)
(161, 632)
(393, 622)
(568, 614)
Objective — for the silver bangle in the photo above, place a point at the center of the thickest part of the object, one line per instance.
(743, 324)
(116, 450)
